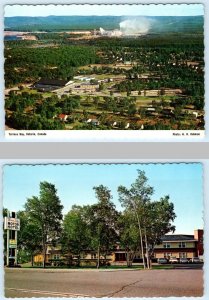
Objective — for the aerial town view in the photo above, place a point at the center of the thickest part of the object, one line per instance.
(138, 67)
(126, 233)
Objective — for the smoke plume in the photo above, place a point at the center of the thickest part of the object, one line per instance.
(135, 26)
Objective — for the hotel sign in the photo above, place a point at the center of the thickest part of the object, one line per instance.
(12, 244)
(11, 223)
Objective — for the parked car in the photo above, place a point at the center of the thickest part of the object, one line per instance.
(162, 261)
(183, 260)
(173, 260)
(196, 260)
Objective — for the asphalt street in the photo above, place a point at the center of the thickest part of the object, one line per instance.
(103, 283)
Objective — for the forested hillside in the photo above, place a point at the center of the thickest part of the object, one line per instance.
(59, 23)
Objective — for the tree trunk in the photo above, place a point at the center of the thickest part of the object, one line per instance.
(32, 260)
(150, 255)
(126, 255)
(147, 253)
(128, 259)
(140, 233)
(98, 257)
(131, 258)
(79, 260)
(44, 255)
(141, 242)
(105, 257)
(150, 263)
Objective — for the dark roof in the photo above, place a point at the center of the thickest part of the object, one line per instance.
(55, 82)
(177, 237)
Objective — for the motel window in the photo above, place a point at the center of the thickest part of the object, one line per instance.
(183, 255)
(93, 256)
(182, 245)
(167, 255)
(167, 245)
(120, 257)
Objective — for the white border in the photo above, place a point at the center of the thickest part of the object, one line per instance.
(104, 135)
(107, 135)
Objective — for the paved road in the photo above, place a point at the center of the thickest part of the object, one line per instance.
(94, 283)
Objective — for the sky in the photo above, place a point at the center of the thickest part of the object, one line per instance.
(75, 182)
(116, 10)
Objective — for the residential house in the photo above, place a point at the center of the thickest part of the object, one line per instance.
(171, 92)
(135, 93)
(150, 93)
(87, 87)
(63, 117)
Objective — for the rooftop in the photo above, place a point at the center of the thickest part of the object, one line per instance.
(177, 237)
(55, 82)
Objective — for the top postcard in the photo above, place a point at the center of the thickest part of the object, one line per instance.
(104, 72)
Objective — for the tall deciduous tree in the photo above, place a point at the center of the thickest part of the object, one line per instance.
(129, 237)
(103, 222)
(160, 215)
(29, 236)
(76, 234)
(135, 200)
(46, 212)
(153, 219)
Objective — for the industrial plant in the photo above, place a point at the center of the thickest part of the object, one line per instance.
(110, 33)
(129, 27)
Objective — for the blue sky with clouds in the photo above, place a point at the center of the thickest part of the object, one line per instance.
(182, 182)
(124, 10)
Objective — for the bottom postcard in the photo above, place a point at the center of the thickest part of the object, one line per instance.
(103, 230)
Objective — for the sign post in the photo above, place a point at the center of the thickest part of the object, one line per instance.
(12, 225)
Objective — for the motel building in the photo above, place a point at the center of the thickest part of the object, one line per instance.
(173, 245)
(180, 246)
(53, 255)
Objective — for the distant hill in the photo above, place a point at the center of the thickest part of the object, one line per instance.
(158, 24)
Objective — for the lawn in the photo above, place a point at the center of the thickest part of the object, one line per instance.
(118, 267)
